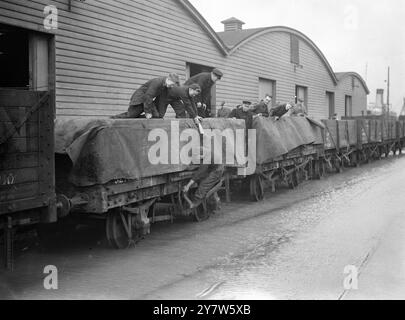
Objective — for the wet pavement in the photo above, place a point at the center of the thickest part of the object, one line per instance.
(294, 245)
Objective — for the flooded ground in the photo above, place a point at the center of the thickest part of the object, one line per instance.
(294, 245)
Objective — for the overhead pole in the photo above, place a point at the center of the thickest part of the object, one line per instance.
(388, 92)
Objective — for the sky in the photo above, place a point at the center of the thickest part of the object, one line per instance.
(364, 36)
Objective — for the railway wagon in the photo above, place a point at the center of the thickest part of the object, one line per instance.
(340, 143)
(393, 138)
(401, 134)
(105, 170)
(287, 151)
(378, 136)
(27, 182)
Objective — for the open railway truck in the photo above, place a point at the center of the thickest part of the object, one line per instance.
(99, 168)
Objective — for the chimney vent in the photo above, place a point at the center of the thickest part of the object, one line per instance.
(379, 101)
(233, 24)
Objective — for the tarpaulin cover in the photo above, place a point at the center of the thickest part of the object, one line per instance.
(277, 138)
(107, 150)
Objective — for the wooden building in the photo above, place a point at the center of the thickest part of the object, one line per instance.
(94, 54)
(352, 94)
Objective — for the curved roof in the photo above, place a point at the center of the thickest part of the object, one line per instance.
(236, 39)
(205, 25)
(228, 42)
(342, 75)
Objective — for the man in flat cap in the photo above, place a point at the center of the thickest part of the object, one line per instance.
(243, 112)
(182, 101)
(206, 80)
(149, 98)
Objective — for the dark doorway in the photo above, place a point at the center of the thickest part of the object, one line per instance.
(14, 57)
(197, 68)
(348, 106)
(330, 104)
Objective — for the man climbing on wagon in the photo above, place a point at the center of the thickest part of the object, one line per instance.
(280, 110)
(207, 177)
(149, 98)
(182, 101)
(206, 80)
(299, 109)
(243, 112)
(263, 107)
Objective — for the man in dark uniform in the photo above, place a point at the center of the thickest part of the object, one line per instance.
(182, 101)
(148, 98)
(243, 112)
(280, 110)
(262, 108)
(206, 177)
(205, 80)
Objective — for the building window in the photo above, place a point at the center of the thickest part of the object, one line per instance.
(301, 93)
(348, 106)
(330, 104)
(267, 86)
(295, 50)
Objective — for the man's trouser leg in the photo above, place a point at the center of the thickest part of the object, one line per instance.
(133, 112)
(179, 109)
(208, 183)
(161, 105)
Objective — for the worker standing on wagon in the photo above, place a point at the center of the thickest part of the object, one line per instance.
(149, 97)
(206, 80)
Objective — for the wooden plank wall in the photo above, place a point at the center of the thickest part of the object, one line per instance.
(105, 49)
(358, 94)
(268, 56)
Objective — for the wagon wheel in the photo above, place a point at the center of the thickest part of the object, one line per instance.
(119, 229)
(201, 213)
(256, 188)
(293, 181)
